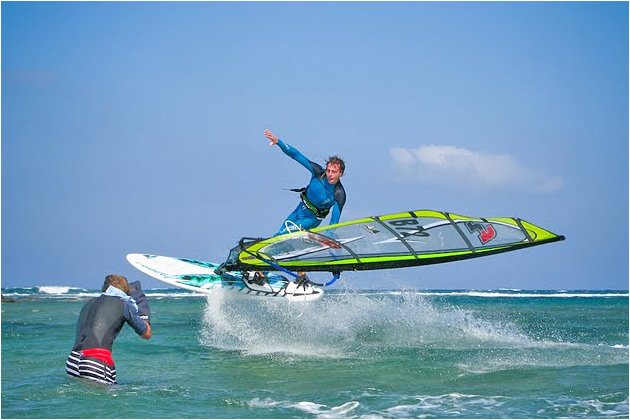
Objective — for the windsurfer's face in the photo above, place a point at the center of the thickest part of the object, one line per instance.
(333, 173)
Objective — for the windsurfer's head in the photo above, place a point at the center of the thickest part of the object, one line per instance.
(119, 282)
(335, 167)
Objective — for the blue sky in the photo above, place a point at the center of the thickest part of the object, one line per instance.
(137, 127)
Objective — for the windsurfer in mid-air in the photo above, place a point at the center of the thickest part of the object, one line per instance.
(323, 193)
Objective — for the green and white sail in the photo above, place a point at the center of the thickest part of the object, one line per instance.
(397, 240)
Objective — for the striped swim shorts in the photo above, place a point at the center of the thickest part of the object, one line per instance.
(94, 364)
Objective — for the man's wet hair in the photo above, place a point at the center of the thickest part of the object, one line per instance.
(119, 282)
(336, 160)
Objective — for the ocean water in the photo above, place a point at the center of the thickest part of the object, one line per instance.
(352, 354)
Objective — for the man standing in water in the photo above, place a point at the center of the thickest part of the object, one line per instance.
(323, 193)
(100, 321)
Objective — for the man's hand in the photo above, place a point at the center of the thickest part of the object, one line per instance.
(273, 140)
(147, 335)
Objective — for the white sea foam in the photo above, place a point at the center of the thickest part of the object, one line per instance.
(454, 404)
(543, 295)
(173, 295)
(72, 292)
(83, 295)
(321, 411)
(473, 406)
(607, 406)
(324, 412)
(499, 293)
(504, 293)
(54, 290)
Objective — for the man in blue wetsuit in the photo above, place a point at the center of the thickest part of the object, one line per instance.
(323, 193)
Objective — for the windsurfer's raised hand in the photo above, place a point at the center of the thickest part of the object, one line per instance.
(272, 139)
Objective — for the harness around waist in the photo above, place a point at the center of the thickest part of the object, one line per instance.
(319, 213)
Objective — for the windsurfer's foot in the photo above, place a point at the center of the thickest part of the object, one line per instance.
(259, 278)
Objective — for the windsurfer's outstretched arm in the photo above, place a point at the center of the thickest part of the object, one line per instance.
(290, 151)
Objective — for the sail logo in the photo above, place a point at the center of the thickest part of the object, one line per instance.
(484, 233)
(408, 227)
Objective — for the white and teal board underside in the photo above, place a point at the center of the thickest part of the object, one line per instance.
(199, 276)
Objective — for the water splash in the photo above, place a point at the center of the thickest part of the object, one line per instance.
(348, 325)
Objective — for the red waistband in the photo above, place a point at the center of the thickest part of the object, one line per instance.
(100, 354)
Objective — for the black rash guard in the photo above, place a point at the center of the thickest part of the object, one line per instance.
(101, 320)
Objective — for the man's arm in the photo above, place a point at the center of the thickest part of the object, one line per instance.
(144, 310)
(290, 151)
(140, 326)
(340, 200)
(336, 214)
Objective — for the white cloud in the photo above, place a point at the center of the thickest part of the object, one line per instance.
(454, 166)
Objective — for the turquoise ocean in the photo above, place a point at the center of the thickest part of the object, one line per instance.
(352, 354)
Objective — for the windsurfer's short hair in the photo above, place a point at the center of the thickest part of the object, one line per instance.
(336, 160)
(119, 282)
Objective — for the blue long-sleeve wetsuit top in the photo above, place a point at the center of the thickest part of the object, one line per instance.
(319, 192)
